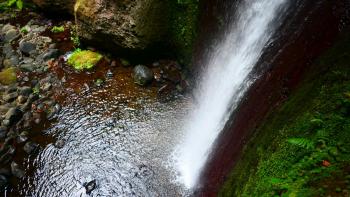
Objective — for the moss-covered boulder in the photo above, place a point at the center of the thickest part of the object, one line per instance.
(8, 76)
(84, 59)
(144, 27)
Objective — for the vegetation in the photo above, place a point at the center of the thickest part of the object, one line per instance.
(184, 27)
(7, 4)
(8, 76)
(302, 148)
(84, 59)
(74, 37)
(24, 30)
(57, 29)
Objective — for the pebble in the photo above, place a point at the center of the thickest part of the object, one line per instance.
(10, 97)
(27, 47)
(16, 171)
(7, 27)
(3, 182)
(30, 147)
(109, 74)
(13, 115)
(59, 144)
(90, 186)
(11, 35)
(50, 54)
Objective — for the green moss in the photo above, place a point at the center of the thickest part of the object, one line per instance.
(84, 59)
(185, 27)
(302, 147)
(57, 29)
(8, 76)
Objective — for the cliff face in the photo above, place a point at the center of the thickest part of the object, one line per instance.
(301, 41)
(301, 148)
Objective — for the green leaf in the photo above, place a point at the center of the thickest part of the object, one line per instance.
(11, 3)
(302, 142)
(19, 4)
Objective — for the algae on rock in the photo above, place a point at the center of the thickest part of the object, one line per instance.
(84, 59)
(8, 76)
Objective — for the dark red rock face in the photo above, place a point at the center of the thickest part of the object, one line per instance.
(312, 28)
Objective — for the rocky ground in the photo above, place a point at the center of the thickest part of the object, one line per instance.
(35, 78)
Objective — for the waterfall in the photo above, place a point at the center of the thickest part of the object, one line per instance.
(225, 80)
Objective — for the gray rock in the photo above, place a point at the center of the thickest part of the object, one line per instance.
(12, 88)
(11, 35)
(90, 186)
(14, 61)
(27, 67)
(143, 75)
(13, 115)
(10, 97)
(25, 91)
(27, 47)
(4, 109)
(51, 54)
(8, 51)
(3, 132)
(59, 144)
(6, 28)
(30, 147)
(16, 171)
(27, 60)
(109, 74)
(3, 182)
(46, 87)
(21, 99)
(23, 137)
(52, 46)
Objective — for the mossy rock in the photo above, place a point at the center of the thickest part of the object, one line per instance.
(8, 76)
(84, 59)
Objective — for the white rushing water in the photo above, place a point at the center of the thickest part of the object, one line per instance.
(225, 80)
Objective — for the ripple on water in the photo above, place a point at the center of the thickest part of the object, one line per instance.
(121, 141)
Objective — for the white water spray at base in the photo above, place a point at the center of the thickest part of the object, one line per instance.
(224, 82)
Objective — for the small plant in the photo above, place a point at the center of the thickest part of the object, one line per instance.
(74, 37)
(24, 30)
(99, 82)
(302, 142)
(36, 90)
(57, 29)
(10, 4)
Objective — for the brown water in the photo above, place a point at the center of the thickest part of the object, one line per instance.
(118, 134)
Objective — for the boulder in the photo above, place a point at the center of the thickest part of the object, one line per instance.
(133, 25)
(128, 27)
(143, 75)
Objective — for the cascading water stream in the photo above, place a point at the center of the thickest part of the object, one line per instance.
(225, 80)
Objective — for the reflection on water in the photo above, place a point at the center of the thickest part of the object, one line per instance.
(121, 137)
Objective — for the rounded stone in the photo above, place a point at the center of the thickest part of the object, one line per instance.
(143, 75)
